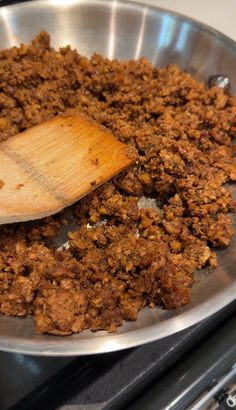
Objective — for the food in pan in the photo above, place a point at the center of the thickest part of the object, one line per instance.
(139, 238)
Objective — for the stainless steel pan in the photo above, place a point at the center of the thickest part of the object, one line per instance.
(126, 30)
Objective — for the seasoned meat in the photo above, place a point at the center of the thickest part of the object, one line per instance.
(125, 252)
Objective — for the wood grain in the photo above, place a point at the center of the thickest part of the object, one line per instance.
(52, 165)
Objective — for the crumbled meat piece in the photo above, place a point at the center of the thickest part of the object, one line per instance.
(119, 258)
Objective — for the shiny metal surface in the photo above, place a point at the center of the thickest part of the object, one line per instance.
(220, 81)
(125, 30)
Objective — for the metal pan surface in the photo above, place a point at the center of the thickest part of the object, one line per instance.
(125, 30)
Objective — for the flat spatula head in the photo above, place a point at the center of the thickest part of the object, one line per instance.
(52, 165)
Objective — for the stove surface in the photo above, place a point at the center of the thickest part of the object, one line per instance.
(106, 381)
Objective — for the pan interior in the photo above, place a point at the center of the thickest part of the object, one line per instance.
(124, 30)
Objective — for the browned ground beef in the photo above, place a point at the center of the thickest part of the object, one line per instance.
(182, 133)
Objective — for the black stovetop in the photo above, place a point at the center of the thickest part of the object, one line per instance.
(113, 380)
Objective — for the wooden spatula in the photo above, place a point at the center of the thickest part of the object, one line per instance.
(52, 165)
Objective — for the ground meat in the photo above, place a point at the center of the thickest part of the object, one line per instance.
(124, 253)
